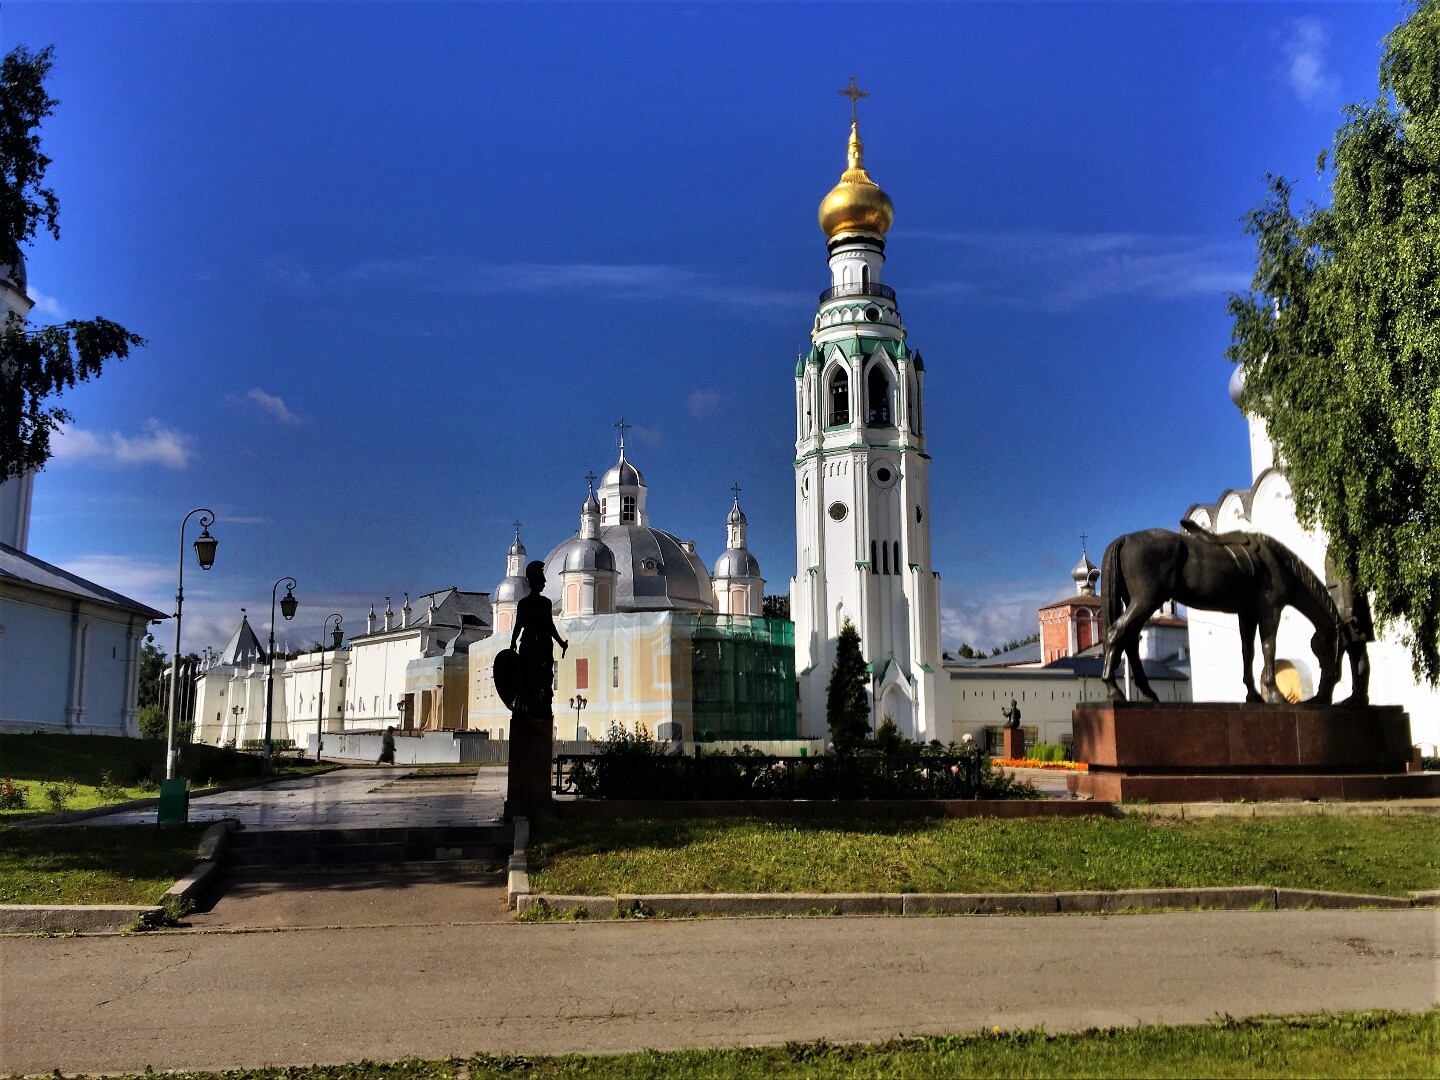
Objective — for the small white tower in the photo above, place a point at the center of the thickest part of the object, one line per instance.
(15, 493)
(512, 589)
(622, 490)
(587, 569)
(862, 529)
(739, 588)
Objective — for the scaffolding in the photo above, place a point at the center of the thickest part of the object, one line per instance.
(742, 671)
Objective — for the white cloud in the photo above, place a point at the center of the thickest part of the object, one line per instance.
(47, 306)
(158, 445)
(271, 405)
(1062, 271)
(139, 579)
(701, 402)
(649, 436)
(648, 281)
(1306, 67)
(987, 616)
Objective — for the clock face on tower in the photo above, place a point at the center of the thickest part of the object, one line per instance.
(837, 511)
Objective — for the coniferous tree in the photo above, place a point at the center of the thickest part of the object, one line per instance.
(847, 707)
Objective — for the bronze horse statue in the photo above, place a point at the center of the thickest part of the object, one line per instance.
(1250, 575)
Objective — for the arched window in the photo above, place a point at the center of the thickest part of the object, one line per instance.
(874, 562)
(885, 557)
(865, 275)
(627, 508)
(877, 395)
(897, 555)
(839, 397)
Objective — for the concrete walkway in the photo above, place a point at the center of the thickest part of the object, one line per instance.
(179, 1000)
(355, 798)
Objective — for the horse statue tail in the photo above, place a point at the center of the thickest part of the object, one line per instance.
(1114, 594)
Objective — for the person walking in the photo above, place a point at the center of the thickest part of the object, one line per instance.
(387, 747)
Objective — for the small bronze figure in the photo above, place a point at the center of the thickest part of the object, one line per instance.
(1012, 716)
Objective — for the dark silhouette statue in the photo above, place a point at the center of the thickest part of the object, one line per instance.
(530, 643)
(1012, 715)
(1250, 575)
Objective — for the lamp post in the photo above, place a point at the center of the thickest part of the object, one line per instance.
(205, 546)
(338, 636)
(287, 608)
(578, 703)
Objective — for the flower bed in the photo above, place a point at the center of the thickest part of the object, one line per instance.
(1030, 763)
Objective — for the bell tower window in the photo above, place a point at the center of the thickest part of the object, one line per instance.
(839, 398)
(877, 393)
(627, 508)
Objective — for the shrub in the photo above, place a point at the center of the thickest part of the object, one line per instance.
(151, 719)
(276, 745)
(632, 768)
(1042, 751)
(12, 795)
(109, 789)
(58, 794)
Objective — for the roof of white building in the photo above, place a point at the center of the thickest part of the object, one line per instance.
(243, 648)
(24, 568)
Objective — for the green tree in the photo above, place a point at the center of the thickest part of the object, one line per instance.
(1339, 337)
(847, 707)
(38, 363)
(152, 676)
(775, 607)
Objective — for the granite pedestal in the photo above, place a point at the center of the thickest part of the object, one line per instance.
(1014, 744)
(532, 743)
(1205, 751)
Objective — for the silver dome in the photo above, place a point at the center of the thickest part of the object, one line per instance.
(511, 590)
(622, 473)
(1237, 383)
(737, 516)
(656, 571)
(736, 563)
(578, 554)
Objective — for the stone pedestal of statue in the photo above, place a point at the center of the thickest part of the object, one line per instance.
(1014, 744)
(532, 746)
(1206, 752)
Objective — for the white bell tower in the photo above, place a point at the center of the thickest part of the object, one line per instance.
(862, 528)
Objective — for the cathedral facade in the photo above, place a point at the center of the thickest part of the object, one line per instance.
(862, 497)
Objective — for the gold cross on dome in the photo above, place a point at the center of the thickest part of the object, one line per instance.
(854, 93)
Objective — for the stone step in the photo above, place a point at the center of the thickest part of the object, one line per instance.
(317, 838)
(352, 854)
(480, 871)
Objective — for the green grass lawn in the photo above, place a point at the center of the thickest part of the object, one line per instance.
(1373, 1044)
(104, 769)
(78, 865)
(1388, 855)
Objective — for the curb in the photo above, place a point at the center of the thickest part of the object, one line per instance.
(109, 918)
(72, 816)
(681, 905)
(517, 880)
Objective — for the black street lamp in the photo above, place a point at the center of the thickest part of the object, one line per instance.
(338, 636)
(205, 547)
(578, 703)
(288, 607)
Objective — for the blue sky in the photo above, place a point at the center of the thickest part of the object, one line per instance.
(402, 266)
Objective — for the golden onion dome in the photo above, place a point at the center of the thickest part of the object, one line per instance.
(856, 204)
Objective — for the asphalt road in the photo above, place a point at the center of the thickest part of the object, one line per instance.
(209, 1000)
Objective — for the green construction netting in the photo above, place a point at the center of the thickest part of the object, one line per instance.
(742, 670)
